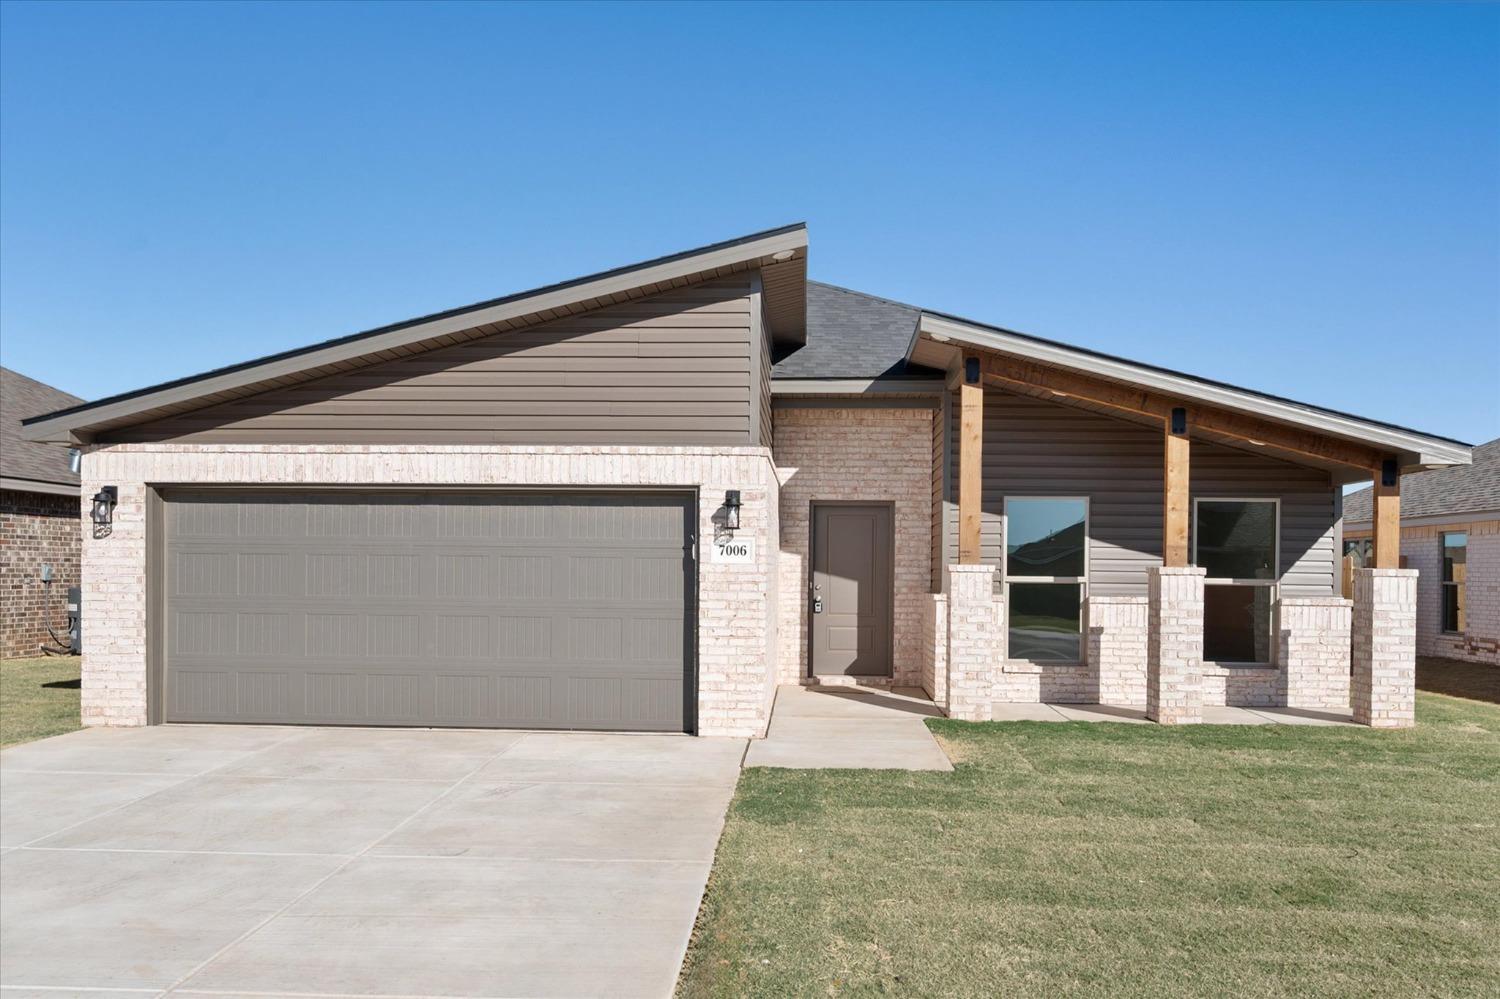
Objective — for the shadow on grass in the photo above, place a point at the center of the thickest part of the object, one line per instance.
(1476, 681)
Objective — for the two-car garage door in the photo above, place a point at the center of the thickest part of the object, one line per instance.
(429, 608)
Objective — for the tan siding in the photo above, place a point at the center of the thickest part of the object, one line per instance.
(1036, 448)
(939, 432)
(675, 368)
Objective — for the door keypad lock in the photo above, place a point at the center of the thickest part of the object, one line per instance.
(817, 599)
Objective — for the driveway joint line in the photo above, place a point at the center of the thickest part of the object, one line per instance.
(172, 988)
(147, 796)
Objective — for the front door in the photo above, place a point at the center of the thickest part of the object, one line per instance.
(849, 602)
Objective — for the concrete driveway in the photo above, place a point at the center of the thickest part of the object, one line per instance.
(354, 862)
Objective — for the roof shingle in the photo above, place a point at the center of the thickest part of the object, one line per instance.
(1458, 489)
(21, 397)
(852, 335)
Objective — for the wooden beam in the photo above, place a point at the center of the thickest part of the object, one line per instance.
(1387, 522)
(1175, 503)
(970, 461)
(1058, 385)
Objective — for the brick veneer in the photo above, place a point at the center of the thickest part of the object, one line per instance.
(976, 629)
(1312, 652)
(1174, 663)
(875, 455)
(935, 648)
(736, 603)
(1384, 686)
(36, 529)
(1118, 644)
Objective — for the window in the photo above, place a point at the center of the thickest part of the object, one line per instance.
(1235, 540)
(1455, 571)
(1046, 566)
(1362, 550)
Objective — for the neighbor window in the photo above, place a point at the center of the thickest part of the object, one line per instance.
(1455, 570)
(1046, 566)
(1235, 541)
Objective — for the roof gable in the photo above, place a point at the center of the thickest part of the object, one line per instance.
(26, 462)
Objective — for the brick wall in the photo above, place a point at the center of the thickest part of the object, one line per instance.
(976, 626)
(879, 455)
(1117, 649)
(1383, 685)
(35, 529)
(1312, 652)
(935, 648)
(736, 603)
(1174, 663)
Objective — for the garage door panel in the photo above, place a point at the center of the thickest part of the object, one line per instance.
(431, 609)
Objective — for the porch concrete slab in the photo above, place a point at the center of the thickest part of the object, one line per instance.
(1102, 713)
(377, 754)
(34, 804)
(853, 702)
(1006, 711)
(1304, 716)
(821, 730)
(475, 927)
(554, 820)
(1222, 714)
(256, 815)
(97, 919)
(156, 749)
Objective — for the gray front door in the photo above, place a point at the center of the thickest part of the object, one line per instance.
(850, 600)
(429, 608)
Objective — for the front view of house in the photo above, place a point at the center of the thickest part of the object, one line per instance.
(642, 499)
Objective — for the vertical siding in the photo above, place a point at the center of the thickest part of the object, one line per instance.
(675, 368)
(1036, 448)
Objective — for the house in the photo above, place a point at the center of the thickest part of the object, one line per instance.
(1450, 533)
(39, 517)
(644, 498)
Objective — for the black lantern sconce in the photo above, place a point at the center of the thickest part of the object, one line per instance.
(732, 510)
(103, 513)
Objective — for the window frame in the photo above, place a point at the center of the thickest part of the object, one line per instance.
(1274, 583)
(1082, 582)
(1444, 583)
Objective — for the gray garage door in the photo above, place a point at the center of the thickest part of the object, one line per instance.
(429, 608)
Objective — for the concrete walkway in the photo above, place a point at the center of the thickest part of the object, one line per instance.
(1212, 714)
(815, 728)
(217, 860)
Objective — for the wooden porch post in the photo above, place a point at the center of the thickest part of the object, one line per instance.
(1174, 521)
(1387, 518)
(970, 458)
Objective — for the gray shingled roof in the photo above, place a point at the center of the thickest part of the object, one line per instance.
(851, 335)
(1459, 489)
(21, 397)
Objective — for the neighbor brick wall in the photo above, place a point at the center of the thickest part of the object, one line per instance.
(736, 603)
(878, 455)
(35, 529)
(1421, 549)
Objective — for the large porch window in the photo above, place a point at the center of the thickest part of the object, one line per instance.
(1235, 540)
(1046, 568)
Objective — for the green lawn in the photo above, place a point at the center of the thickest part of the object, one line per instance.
(1122, 860)
(38, 698)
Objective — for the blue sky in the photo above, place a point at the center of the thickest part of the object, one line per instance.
(1301, 199)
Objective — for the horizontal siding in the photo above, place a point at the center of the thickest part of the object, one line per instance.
(1036, 448)
(673, 369)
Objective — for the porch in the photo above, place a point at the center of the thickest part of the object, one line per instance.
(1224, 606)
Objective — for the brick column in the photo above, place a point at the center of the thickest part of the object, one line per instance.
(975, 641)
(1312, 651)
(1384, 686)
(1174, 660)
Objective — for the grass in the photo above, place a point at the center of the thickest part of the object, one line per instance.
(38, 698)
(1121, 860)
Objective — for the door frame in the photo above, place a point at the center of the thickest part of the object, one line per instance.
(807, 585)
(159, 494)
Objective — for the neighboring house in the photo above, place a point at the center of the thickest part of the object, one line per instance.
(642, 499)
(1450, 533)
(39, 521)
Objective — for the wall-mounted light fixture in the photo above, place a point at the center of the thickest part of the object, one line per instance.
(1179, 421)
(1389, 472)
(105, 501)
(75, 459)
(971, 370)
(732, 510)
